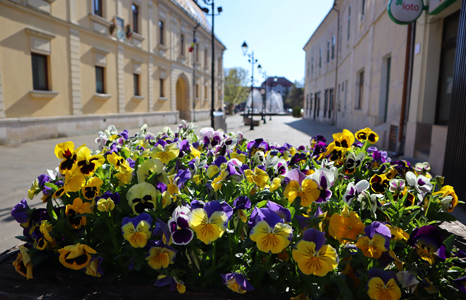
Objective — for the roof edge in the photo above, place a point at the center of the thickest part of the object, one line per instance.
(322, 22)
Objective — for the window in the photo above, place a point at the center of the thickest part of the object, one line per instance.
(320, 58)
(136, 83)
(307, 69)
(97, 7)
(135, 18)
(197, 90)
(360, 91)
(162, 92)
(325, 103)
(312, 65)
(349, 21)
(310, 104)
(219, 65)
(205, 58)
(338, 98)
(344, 86)
(363, 9)
(385, 88)
(330, 103)
(100, 80)
(333, 47)
(219, 95)
(182, 44)
(40, 80)
(328, 51)
(205, 92)
(197, 52)
(161, 42)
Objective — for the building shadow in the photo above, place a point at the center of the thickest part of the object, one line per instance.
(313, 128)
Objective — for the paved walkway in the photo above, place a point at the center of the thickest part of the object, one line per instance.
(23, 163)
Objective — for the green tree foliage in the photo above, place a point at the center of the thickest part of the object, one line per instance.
(295, 96)
(236, 90)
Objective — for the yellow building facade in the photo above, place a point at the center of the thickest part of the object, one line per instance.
(76, 66)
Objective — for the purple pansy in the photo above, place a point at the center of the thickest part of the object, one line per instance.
(241, 202)
(19, 212)
(264, 214)
(99, 265)
(213, 206)
(427, 241)
(136, 220)
(284, 213)
(325, 179)
(179, 226)
(240, 279)
(43, 179)
(461, 283)
(377, 227)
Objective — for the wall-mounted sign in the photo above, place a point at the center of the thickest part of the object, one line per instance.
(405, 11)
(436, 6)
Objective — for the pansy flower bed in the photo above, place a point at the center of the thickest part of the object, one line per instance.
(319, 221)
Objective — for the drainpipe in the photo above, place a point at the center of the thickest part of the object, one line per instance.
(194, 72)
(334, 121)
(406, 97)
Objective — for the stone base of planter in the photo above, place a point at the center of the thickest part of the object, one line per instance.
(53, 281)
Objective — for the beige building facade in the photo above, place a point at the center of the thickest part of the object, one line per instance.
(432, 83)
(355, 69)
(364, 70)
(76, 66)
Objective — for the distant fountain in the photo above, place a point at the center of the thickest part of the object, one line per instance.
(273, 104)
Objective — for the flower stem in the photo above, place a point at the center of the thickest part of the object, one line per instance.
(265, 267)
(214, 244)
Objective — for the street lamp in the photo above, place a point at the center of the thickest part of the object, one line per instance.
(263, 103)
(244, 47)
(206, 11)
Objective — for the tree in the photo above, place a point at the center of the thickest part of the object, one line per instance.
(236, 91)
(296, 96)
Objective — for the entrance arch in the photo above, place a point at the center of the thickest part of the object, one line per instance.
(182, 97)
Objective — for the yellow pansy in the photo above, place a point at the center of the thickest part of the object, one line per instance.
(258, 177)
(75, 256)
(207, 229)
(271, 240)
(165, 154)
(308, 191)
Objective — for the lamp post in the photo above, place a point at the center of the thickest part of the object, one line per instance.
(244, 47)
(206, 10)
(264, 95)
(194, 70)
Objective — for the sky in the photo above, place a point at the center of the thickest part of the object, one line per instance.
(276, 30)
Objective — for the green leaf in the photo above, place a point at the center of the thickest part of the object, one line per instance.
(409, 218)
(21, 238)
(443, 216)
(262, 203)
(449, 242)
(274, 274)
(344, 289)
(293, 212)
(50, 210)
(51, 185)
(316, 165)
